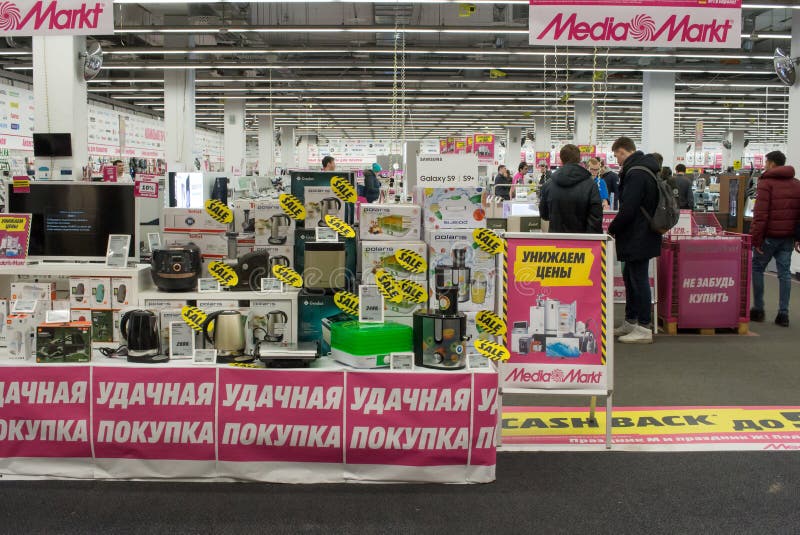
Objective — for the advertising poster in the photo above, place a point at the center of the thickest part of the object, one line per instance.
(451, 144)
(542, 158)
(15, 233)
(698, 136)
(442, 146)
(636, 23)
(587, 151)
(484, 147)
(461, 146)
(555, 312)
(470, 143)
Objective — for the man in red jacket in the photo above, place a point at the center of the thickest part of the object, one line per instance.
(775, 217)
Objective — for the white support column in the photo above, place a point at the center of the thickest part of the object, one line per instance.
(287, 148)
(658, 115)
(585, 130)
(302, 155)
(544, 139)
(179, 119)
(793, 140)
(234, 137)
(266, 146)
(60, 102)
(736, 152)
(513, 148)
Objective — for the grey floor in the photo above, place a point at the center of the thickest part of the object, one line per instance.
(690, 369)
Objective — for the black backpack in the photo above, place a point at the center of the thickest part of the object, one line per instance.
(667, 210)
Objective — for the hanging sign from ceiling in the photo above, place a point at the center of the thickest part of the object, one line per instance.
(448, 170)
(637, 23)
(56, 17)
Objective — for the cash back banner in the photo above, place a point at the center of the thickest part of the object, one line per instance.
(555, 311)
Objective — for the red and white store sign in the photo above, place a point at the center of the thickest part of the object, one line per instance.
(58, 17)
(637, 23)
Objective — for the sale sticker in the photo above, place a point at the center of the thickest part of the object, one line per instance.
(411, 261)
(287, 275)
(490, 322)
(145, 189)
(292, 206)
(219, 212)
(488, 241)
(343, 189)
(194, 317)
(388, 286)
(413, 292)
(340, 226)
(224, 273)
(492, 350)
(347, 302)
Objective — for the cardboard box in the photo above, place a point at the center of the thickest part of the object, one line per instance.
(102, 326)
(123, 292)
(524, 224)
(477, 291)
(211, 245)
(82, 315)
(192, 220)
(313, 308)
(79, 292)
(315, 198)
(269, 215)
(64, 342)
(452, 208)
(257, 327)
(116, 316)
(90, 292)
(41, 291)
(20, 334)
(157, 304)
(212, 305)
(3, 316)
(375, 255)
(390, 222)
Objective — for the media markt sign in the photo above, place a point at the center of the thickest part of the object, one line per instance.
(56, 17)
(637, 23)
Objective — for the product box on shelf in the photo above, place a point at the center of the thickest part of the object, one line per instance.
(319, 202)
(211, 245)
(90, 292)
(41, 291)
(123, 292)
(376, 255)
(83, 315)
(212, 305)
(327, 265)
(269, 322)
(271, 225)
(313, 308)
(21, 332)
(452, 208)
(465, 264)
(390, 222)
(116, 316)
(524, 224)
(3, 316)
(158, 304)
(102, 326)
(301, 179)
(64, 342)
(279, 254)
(190, 220)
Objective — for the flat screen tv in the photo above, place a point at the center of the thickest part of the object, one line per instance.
(52, 145)
(72, 220)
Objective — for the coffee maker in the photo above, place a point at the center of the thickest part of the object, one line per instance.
(440, 335)
(328, 206)
(278, 229)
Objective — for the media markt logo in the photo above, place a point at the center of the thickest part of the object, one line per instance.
(519, 375)
(46, 15)
(642, 28)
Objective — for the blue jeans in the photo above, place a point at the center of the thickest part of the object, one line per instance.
(781, 249)
(638, 298)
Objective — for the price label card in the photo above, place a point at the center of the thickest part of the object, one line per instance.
(271, 284)
(181, 340)
(208, 285)
(117, 251)
(402, 361)
(205, 357)
(477, 361)
(370, 304)
(153, 240)
(326, 234)
(24, 306)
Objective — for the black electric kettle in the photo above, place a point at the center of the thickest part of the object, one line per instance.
(139, 328)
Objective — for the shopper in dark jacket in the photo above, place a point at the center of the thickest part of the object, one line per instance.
(636, 242)
(372, 186)
(500, 188)
(684, 185)
(571, 200)
(612, 184)
(775, 218)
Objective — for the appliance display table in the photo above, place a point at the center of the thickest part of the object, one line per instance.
(112, 419)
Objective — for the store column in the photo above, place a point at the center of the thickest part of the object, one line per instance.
(60, 102)
(513, 149)
(410, 155)
(179, 119)
(287, 148)
(736, 152)
(658, 115)
(302, 155)
(585, 127)
(266, 146)
(793, 140)
(233, 131)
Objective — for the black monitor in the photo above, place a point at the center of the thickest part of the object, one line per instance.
(72, 220)
(52, 145)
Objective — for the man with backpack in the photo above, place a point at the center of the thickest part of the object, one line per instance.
(637, 242)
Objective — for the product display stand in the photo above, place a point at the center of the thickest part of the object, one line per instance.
(555, 305)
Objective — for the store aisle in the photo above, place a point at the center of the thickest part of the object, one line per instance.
(534, 493)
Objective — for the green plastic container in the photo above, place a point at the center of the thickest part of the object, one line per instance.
(367, 345)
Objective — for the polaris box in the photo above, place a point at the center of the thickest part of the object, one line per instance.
(390, 222)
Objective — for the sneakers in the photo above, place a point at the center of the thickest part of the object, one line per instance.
(781, 319)
(625, 328)
(757, 315)
(639, 335)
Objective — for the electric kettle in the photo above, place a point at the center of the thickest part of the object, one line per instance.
(278, 229)
(139, 328)
(276, 325)
(278, 260)
(328, 206)
(227, 336)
